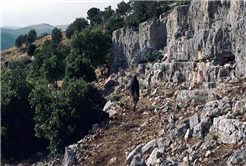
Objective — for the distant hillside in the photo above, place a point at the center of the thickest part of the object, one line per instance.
(9, 34)
(11, 27)
(7, 40)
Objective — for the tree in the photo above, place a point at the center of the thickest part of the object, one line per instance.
(49, 63)
(114, 22)
(78, 67)
(22, 64)
(123, 8)
(93, 45)
(94, 15)
(144, 10)
(107, 13)
(31, 37)
(66, 117)
(18, 41)
(18, 139)
(30, 50)
(77, 25)
(56, 35)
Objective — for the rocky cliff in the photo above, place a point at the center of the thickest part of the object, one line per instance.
(204, 41)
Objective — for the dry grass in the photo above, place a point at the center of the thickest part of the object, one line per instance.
(116, 138)
(15, 53)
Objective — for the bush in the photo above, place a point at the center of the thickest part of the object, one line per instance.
(92, 44)
(114, 98)
(179, 3)
(56, 35)
(22, 63)
(78, 67)
(155, 56)
(77, 25)
(49, 62)
(30, 50)
(18, 139)
(66, 117)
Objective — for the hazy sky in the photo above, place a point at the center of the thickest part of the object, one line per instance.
(23, 13)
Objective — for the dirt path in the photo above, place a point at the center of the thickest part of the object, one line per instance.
(130, 129)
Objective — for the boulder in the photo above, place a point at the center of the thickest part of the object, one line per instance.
(70, 155)
(229, 131)
(134, 152)
(148, 148)
(194, 120)
(237, 158)
(153, 158)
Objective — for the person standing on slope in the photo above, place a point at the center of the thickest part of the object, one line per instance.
(134, 89)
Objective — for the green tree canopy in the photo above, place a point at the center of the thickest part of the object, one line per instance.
(18, 139)
(20, 41)
(144, 10)
(56, 35)
(123, 8)
(94, 15)
(78, 67)
(114, 22)
(65, 117)
(49, 63)
(31, 37)
(107, 13)
(77, 25)
(93, 45)
(30, 50)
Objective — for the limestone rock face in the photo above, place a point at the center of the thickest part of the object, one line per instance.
(230, 131)
(132, 47)
(208, 36)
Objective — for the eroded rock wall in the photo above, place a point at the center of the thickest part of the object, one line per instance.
(210, 35)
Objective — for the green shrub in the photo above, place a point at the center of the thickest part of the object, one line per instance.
(22, 63)
(79, 67)
(65, 117)
(31, 49)
(155, 56)
(179, 3)
(18, 139)
(114, 98)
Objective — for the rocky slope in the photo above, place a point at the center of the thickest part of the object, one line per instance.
(193, 103)
(170, 127)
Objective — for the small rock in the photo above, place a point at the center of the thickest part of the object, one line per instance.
(237, 158)
(172, 118)
(137, 161)
(146, 123)
(194, 120)
(70, 155)
(208, 153)
(95, 127)
(136, 151)
(153, 158)
(188, 134)
(185, 161)
(113, 160)
(148, 148)
(109, 83)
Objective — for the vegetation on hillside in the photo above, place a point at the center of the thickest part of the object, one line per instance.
(36, 112)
